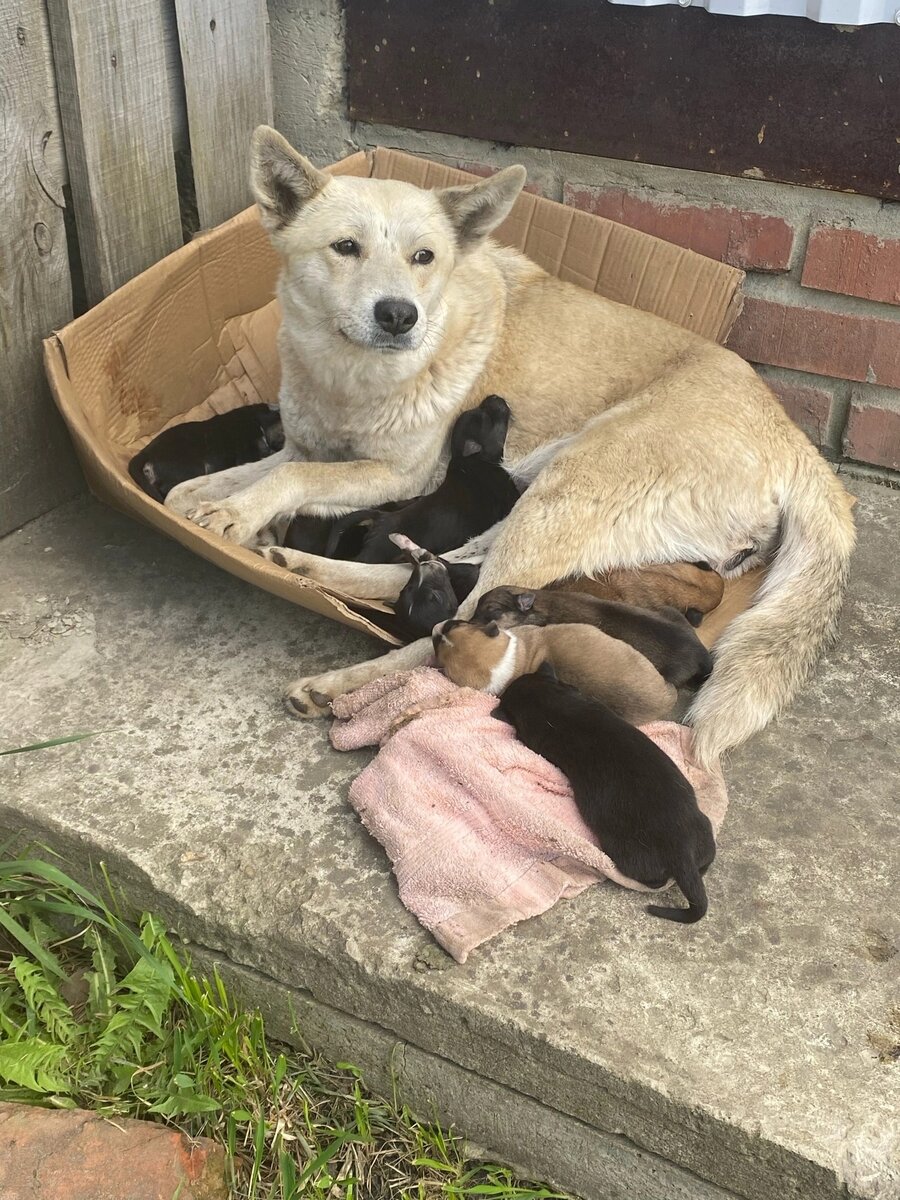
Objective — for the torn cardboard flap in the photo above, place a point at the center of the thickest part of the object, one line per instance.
(195, 335)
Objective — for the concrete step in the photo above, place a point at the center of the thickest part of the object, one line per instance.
(752, 1055)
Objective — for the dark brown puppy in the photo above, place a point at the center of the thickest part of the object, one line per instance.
(628, 791)
(693, 588)
(665, 638)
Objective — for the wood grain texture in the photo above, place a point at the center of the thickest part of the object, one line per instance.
(228, 85)
(37, 464)
(113, 95)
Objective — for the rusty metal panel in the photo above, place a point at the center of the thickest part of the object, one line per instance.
(768, 97)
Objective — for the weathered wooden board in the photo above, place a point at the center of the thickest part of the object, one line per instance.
(37, 464)
(113, 96)
(768, 97)
(228, 85)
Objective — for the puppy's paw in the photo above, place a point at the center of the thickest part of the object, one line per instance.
(229, 521)
(304, 701)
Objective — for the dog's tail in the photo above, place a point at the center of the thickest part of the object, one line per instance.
(768, 652)
(689, 879)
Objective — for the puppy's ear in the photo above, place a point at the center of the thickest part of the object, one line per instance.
(525, 601)
(492, 629)
(478, 208)
(470, 447)
(547, 670)
(282, 180)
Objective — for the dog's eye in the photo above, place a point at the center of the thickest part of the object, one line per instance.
(346, 247)
(423, 257)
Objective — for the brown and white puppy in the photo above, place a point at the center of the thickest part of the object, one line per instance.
(695, 589)
(665, 638)
(488, 658)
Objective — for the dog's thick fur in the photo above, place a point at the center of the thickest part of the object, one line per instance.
(670, 448)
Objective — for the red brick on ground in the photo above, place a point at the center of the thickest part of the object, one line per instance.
(853, 263)
(873, 430)
(840, 345)
(751, 240)
(47, 1154)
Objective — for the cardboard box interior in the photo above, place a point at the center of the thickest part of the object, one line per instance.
(195, 335)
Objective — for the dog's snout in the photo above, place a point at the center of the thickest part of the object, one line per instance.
(396, 316)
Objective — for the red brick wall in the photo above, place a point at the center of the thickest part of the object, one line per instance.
(822, 315)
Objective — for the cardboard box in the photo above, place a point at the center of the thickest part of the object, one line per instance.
(195, 335)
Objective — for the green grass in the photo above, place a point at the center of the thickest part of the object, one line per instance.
(96, 1014)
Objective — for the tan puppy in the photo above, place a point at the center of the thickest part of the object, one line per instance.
(488, 659)
(691, 589)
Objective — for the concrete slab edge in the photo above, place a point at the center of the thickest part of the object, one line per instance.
(701, 1146)
(499, 1124)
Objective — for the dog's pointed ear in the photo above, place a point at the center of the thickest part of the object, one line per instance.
(282, 180)
(546, 669)
(478, 208)
(525, 601)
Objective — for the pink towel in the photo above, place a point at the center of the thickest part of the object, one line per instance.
(481, 831)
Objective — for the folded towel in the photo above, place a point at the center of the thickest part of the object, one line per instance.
(481, 831)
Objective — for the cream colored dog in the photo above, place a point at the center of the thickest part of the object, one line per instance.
(645, 443)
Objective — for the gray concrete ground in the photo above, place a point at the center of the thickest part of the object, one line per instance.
(753, 1055)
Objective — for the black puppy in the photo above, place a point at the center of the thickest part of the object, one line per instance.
(475, 494)
(194, 448)
(433, 592)
(628, 791)
(666, 637)
(313, 535)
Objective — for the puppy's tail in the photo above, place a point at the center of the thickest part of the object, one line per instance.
(768, 652)
(691, 883)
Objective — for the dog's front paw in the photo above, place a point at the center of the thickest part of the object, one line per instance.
(185, 496)
(227, 520)
(304, 701)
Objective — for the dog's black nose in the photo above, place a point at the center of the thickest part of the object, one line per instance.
(396, 316)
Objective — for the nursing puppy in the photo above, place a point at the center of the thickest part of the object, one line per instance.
(433, 592)
(315, 535)
(695, 589)
(488, 659)
(665, 638)
(628, 791)
(475, 494)
(243, 435)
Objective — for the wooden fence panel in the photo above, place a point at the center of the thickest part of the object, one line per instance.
(228, 85)
(113, 95)
(37, 464)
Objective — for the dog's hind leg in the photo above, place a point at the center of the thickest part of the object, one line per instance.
(365, 581)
